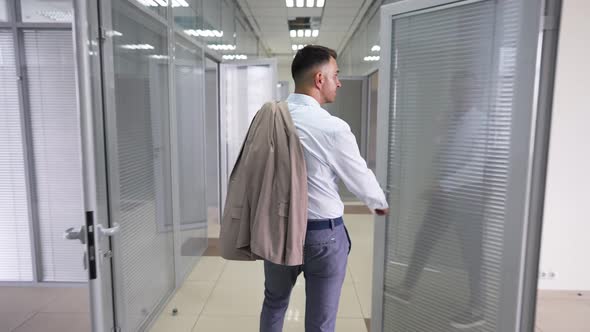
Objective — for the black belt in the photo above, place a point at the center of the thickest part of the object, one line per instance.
(319, 224)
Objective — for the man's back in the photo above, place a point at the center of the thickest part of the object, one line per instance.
(331, 153)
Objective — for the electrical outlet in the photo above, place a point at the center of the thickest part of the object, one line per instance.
(547, 275)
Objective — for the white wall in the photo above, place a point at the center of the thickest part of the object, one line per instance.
(566, 230)
(284, 71)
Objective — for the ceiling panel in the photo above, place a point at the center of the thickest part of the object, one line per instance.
(304, 12)
(271, 16)
(341, 12)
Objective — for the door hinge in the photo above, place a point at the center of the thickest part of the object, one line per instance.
(548, 22)
(91, 247)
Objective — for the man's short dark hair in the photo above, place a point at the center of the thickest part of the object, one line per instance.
(308, 58)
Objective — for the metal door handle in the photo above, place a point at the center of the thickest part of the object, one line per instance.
(79, 234)
(102, 231)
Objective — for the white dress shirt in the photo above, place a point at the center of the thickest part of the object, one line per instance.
(331, 153)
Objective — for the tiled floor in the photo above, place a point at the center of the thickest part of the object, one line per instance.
(224, 295)
(231, 293)
(44, 309)
(227, 296)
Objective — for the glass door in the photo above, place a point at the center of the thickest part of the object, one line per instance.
(461, 154)
(143, 127)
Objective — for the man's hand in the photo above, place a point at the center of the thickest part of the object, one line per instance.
(382, 212)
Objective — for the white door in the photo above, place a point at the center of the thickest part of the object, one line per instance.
(244, 87)
(461, 149)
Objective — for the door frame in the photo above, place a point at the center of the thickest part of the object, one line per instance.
(88, 40)
(534, 93)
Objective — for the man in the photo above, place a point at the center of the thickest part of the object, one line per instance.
(331, 153)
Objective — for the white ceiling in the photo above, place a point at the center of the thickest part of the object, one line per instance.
(339, 19)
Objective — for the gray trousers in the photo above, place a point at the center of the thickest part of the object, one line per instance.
(324, 268)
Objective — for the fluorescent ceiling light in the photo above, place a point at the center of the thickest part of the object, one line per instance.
(148, 3)
(114, 33)
(294, 47)
(300, 3)
(289, 3)
(179, 3)
(204, 33)
(307, 33)
(293, 33)
(222, 47)
(320, 3)
(315, 33)
(235, 57)
(163, 3)
(309, 3)
(137, 47)
(376, 48)
(372, 58)
(299, 33)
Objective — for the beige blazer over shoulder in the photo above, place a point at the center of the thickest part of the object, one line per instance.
(265, 214)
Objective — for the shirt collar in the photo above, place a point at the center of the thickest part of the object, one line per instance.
(301, 99)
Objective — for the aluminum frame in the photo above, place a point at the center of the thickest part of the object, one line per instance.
(90, 101)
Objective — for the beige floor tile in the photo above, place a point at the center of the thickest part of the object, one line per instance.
(350, 325)
(190, 298)
(26, 299)
(70, 300)
(251, 324)
(174, 324)
(11, 320)
(563, 316)
(342, 325)
(365, 295)
(361, 272)
(583, 296)
(349, 303)
(231, 298)
(57, 322)
(348, 278)
(243, 272)
(207, 269)
(227, 324)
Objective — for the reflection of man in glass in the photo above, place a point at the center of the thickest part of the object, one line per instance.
(458, 195)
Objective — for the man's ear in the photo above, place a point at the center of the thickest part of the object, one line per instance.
(318, 79)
